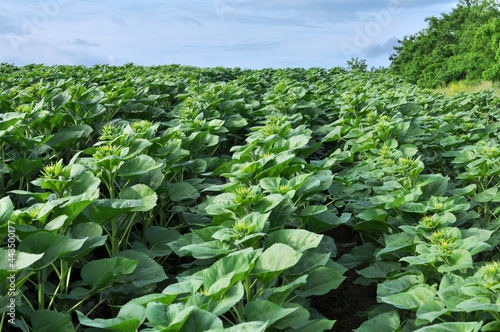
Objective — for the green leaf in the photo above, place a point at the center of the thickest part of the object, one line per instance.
(21, 261)
(201, 321)
(137, 166)
(316, 325)
(399, 284)
(207, 250)
(321, 280)
(278, 295)
(168, 318)
(379, 270)
(146, 273)
(372, 214)
(431, 310)
(181, 191)
(268, 203)
(23, 167)
(6, 210)
(60, 99)
(230, 298)
(299, 239)
(465, 191)
(44, 320)
(102, 273)
(486, 196)
(129, 318)
(52, 246)
(142, 193)
(244, 327)
(358, 255)
(68, 136)
(452, 327)
(225, 272)
(313, 210)
(265, 311)
(411, 299)
(299, 318)
(457, 260)
(386, 322)
(274, 260)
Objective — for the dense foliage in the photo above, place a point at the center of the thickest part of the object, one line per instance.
(461, 45)
(183, 199)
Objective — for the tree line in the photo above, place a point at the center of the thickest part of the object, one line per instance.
(461, 45)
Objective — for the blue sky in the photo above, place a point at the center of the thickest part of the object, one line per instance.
(230, 33)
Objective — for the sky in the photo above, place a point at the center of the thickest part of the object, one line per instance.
(207, 33)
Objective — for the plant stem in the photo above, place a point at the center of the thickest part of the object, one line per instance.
(41, 281)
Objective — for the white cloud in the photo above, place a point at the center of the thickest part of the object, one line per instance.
(244, 33)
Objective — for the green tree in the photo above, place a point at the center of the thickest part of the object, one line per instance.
(450, 48)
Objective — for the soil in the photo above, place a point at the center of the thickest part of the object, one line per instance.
(350, 303)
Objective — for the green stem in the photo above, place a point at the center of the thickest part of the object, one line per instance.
(248, 289)
(114, 239)
(41, 288)
(73, 308)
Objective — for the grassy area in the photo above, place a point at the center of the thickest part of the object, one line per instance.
(456, 87)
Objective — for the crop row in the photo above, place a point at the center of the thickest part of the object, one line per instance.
(184, 199)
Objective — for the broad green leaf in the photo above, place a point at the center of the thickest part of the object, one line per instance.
(379, 270)
(399, 284)
(411, 299)
(44, 320)
(52, 246)
(386, 322)
(279, 294)
(265, 311)
(12, 264)
(453, 327)
(274, 260)
(168, 318)
(230, 298)
(431, 310)
(6, 210)
(207, 250)
(457, 260)
(180, 191)
(161, 298)
(358, 255)
(142, 193)
(313, 210)
(244, 327)
(299, 318)
(225, 272)
(69, 135)
(316, 325)
(103, 210)
(23, 167)
(129, 318)
(137, 166)
(102, 273)
(397, 242)
(184, 287)
(321, 280)
(479, 304)
(267, 203)
(465, 191)
(201, 321)
(147, 271)
(60, 99)
(486, 196)
(299, 239)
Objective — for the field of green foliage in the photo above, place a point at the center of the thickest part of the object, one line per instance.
(184, 199)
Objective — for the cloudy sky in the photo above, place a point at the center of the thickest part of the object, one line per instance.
(207, 33)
